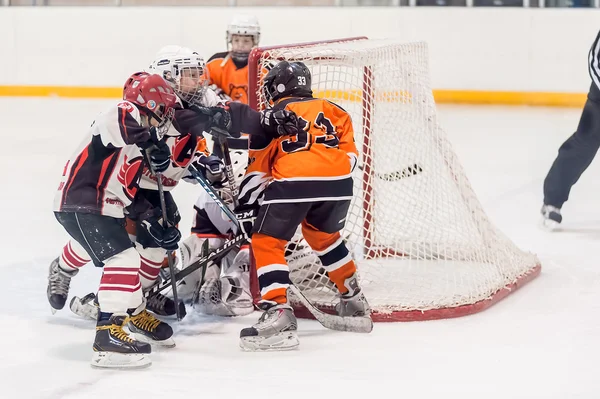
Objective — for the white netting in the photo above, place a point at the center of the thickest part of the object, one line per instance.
(417, 231)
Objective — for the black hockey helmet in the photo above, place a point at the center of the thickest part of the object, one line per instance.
(287, 79)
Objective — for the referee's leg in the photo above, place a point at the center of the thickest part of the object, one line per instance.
(576, 154)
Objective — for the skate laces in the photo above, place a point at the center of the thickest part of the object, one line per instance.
(145, 321)
(59, 281)
(116, 331)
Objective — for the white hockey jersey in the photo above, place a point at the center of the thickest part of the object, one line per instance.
(102, 176)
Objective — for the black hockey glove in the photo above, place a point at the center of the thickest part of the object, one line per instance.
(279, 123)
(221, 120)
(158, 155)
(246, 216)
(165, 237)
(212, 168)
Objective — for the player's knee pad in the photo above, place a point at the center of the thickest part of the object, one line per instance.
(120, 287)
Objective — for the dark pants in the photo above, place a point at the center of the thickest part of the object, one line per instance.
(101, 236)
(576, 154)
(282, 220)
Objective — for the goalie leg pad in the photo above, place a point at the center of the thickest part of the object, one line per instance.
(86, 307)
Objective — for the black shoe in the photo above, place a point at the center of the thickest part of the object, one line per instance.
(147, 328)
(113, 348)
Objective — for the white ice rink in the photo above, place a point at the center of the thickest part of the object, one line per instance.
(541, 342)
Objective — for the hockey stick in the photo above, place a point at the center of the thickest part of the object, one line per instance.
(411, 170)
(216, 254)
(215, 197)
(163, 206)
(360, 324)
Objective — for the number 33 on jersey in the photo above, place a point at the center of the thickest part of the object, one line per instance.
(314, 165)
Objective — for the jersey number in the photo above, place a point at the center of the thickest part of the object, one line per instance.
(302, 142)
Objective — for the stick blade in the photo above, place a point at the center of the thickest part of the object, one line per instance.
(359, 324)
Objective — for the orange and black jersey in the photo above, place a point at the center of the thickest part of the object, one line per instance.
(314, 165)
(232, 78)
(102, 176)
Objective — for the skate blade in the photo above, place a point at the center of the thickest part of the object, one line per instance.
(549, 224)
(165, 343)
(114, 360)
(283, 341)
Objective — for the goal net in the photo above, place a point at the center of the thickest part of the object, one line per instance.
(423, 245)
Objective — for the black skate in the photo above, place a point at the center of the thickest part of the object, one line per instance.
(58, 285)
(551, 217)
(147, 328)
(113, 348)
(164, 306)
(275, 331)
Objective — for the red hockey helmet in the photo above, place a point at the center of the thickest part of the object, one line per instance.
(152, 94)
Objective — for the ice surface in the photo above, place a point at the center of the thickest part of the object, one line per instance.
(541, 342)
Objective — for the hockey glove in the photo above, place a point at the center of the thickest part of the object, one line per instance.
(246, 217)
(158, 155)
(279, 123)
(212, 168)
(221, 121)
(165, 237)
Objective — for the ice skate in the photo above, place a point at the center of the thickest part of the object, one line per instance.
(113, 348)
(353, 303)
(275, 331)
(164, 306)
(147, 328)
(551, 217)
(59, 281)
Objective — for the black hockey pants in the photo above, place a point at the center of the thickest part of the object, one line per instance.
(576, 154)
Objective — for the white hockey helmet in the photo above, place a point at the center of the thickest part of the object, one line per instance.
(243, 25)
(172, 61)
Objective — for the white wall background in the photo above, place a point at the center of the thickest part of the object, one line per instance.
(471, 49)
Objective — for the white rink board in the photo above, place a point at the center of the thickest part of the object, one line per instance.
(514, 49)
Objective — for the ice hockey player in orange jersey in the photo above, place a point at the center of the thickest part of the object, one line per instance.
(299, 180)
(228, 71)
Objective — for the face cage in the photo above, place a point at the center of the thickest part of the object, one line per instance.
(225, 194)
(164, 122)
(203, 83)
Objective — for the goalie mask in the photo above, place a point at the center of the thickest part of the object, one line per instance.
(184, 69)
(287, 79)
